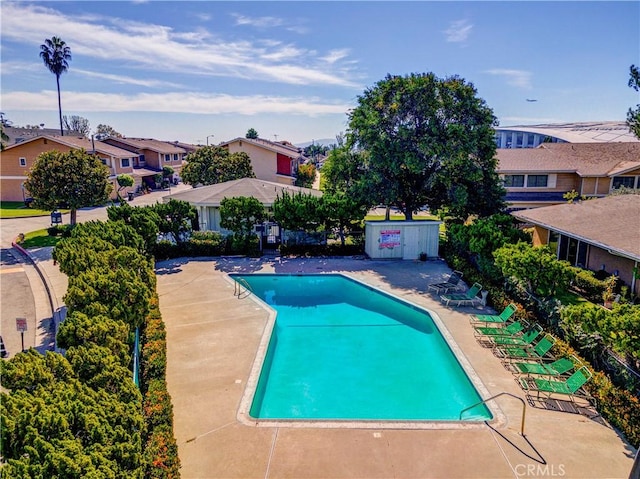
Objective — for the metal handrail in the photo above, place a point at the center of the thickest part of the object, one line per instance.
(524, 407)
(239, 283)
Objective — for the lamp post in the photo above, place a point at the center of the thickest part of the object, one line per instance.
(209, 136)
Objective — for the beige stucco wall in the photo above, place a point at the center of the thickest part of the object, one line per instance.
(264, 162)
(540, 236)
(598, 257)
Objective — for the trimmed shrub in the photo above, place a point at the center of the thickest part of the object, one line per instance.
(157, 406)
(588, 285)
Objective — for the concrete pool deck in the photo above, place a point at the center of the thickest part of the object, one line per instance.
(212, 340)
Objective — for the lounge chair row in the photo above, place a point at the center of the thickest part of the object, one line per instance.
(526, 351)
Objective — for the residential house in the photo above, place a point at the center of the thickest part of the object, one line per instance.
(19, 134)
(16, 161)
(207, 199)
(540, 176)
(597, 234)
(152, 156)
(270, 160)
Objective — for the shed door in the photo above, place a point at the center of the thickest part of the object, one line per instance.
(411, 248)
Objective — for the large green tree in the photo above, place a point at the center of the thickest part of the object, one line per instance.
(177, 218)
(75, 179)
(143, 219)
(341, 213)
(239, 214)
(633, 115)
(429, 142)
(56, 56)
(211, 164)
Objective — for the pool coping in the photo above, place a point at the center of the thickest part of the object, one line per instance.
(499, 418)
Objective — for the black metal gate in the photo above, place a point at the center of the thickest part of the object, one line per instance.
(270, 236)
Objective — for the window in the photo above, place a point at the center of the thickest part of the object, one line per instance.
(513, 181)
(125, 163)
(175, 157)
(167, 157)
(23, 162)
(537, 181)
(626, 181)
(531, 140)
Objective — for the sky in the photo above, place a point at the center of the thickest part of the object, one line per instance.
(207, 71)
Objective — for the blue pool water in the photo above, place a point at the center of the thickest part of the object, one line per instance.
(340, 350)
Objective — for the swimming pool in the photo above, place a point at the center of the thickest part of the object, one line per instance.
(341, 350)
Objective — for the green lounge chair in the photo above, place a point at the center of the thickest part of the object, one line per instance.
(452, 284)
(503, 330)
(523, 340)
(495, 318)
(556, 368)
(570, 387)
(470, 298)
(539, 351)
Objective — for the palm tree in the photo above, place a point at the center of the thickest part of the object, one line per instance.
(56, 55)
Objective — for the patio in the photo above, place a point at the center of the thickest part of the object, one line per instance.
(212, 339)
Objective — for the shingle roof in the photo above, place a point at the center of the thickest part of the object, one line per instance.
(585, 159)
(613, 222)
(151, 144)
(264, 191)
(81, 142)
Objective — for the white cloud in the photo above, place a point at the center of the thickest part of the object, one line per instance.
(175, 102)
(335, 55)
(517, 78)
(259, 22)
(122, 79)
(16, 68)
(159, 48)
(458, 31)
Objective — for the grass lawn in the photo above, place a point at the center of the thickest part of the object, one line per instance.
(569, 299)
(39, 239)
(17, 209)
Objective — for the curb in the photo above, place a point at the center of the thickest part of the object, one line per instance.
(55, 315)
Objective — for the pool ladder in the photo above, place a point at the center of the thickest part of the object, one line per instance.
(524, 407)
(238, 291)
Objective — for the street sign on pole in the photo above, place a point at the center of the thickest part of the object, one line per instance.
(21, 326)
